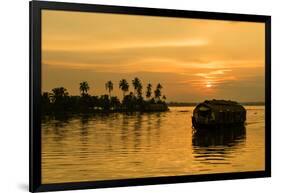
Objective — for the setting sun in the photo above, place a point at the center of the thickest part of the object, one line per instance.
(208, 85)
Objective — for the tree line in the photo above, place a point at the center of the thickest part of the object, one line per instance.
(59, 100)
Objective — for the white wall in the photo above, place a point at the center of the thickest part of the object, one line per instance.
(14, 94)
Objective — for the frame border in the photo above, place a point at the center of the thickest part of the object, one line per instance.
(35, 8)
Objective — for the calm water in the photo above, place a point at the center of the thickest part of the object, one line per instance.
(117, 146)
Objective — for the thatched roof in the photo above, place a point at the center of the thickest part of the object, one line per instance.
(220, 106)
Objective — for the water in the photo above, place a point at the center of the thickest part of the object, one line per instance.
(120, 146)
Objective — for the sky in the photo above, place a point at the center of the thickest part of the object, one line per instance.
(193, 59)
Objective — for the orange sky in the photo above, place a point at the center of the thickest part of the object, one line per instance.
(194, 59)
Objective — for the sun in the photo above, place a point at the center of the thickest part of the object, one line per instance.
(208, 85)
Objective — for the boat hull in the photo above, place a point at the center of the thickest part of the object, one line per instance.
(215, 125)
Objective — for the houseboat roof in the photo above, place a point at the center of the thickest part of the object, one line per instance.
(220, 105)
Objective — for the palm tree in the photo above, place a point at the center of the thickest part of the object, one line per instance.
(59, 91)
(148, 91)
(58, 94)
(164, 98)
(124, 86)
(45, 97)
(157, 92)
(109, 87)
(159, 86)
(84, 87)
(139, 90)
(136, 83)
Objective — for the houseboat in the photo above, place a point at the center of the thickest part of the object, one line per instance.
(218, 114)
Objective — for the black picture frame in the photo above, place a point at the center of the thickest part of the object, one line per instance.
(35, 184)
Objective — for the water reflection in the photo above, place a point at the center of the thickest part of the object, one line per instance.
(83, 147)
(139, 130)
(214, 146)
(83, 133)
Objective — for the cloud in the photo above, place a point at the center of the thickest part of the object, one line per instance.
(79, 46)
(215, 72)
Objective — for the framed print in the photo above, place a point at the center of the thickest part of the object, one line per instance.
(126, 96)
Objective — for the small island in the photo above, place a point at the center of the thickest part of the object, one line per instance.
(59, 100)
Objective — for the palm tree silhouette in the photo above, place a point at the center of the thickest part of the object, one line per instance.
(159, 86)
(124, 86)
(157, 92)
(137, 84)
(109, 87)
(148, 90)
(139, 90)
(84, 87)
(58, 94)
(59, 100)
(59, 91)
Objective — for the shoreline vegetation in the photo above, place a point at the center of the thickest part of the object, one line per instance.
(59, 101)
